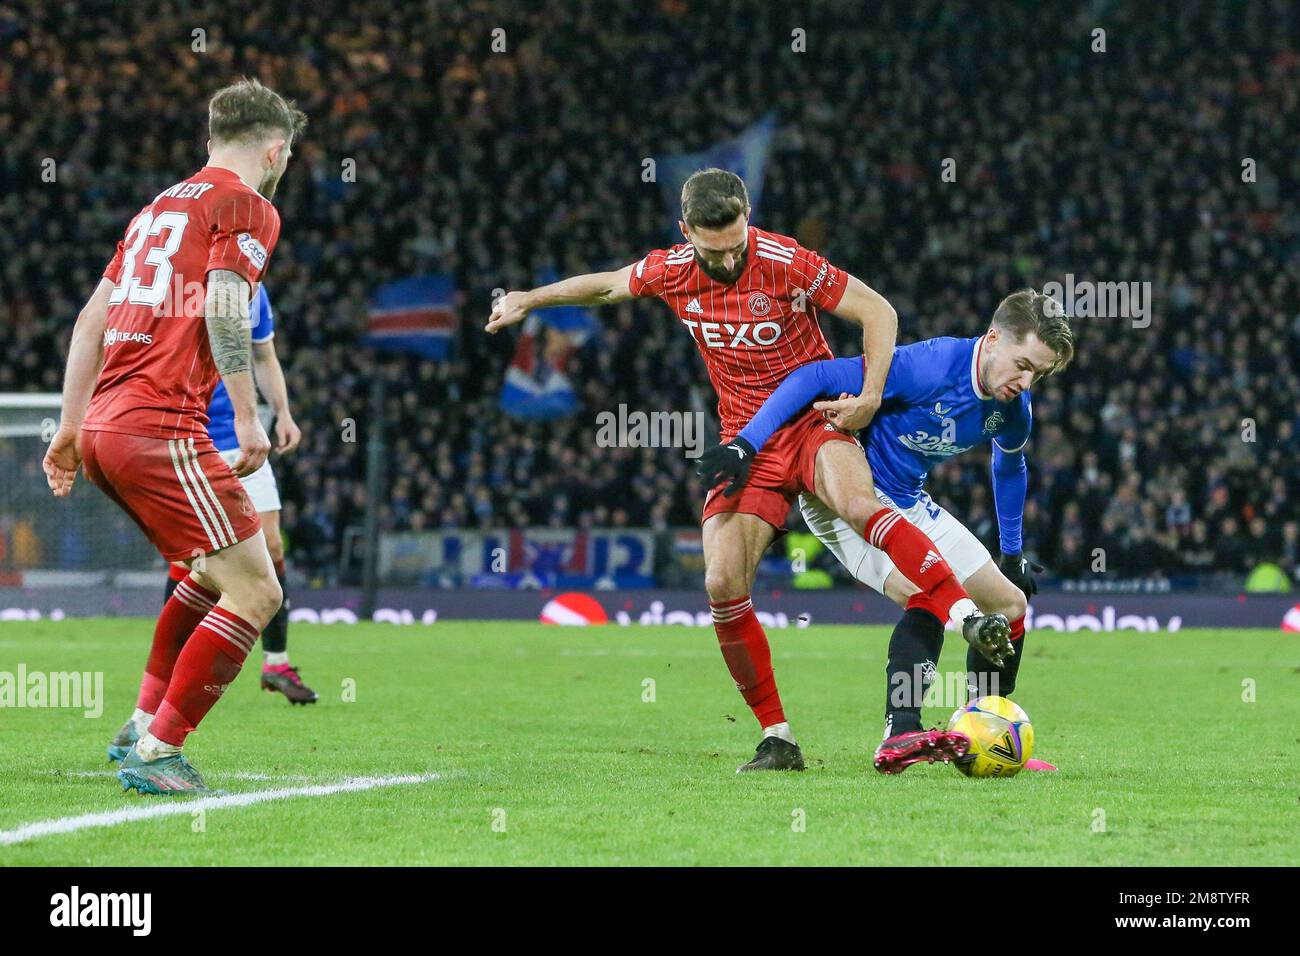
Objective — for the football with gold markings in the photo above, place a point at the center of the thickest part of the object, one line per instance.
(1001, 737)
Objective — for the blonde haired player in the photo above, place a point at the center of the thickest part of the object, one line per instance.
(749, 299)
(168, 320)
(942, 397)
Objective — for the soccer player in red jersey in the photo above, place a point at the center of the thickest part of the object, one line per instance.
(169, 319)
(750, 300)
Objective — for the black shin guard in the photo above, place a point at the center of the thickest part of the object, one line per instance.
(913, 658)
(984, 679)
(275, 639)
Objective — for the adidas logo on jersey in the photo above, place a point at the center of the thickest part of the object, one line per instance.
(693, 307)
(931, 559)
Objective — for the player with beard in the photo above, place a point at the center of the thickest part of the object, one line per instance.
(943, 396)
(168, 320)
(750, 299)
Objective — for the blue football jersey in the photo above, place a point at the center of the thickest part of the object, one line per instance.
(933, 408)
(221, 414)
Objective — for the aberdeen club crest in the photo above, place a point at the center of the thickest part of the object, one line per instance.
(759, 305)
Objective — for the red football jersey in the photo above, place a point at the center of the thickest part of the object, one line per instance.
(158, 373)
(756, 331)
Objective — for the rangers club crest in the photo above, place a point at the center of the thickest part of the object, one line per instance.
(993, 423)
(759, 304)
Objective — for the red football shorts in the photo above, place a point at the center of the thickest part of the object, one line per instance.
(784, 467)
(185, 499)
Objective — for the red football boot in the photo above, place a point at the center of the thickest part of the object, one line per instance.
(284, 679)
(900, 751)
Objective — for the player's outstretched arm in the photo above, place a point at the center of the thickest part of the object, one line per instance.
(85, 355)
(868, 308)
(801, 387)
(230, 336)
(270, 382)
(595, 288)
(1010, 485)
(731, 461)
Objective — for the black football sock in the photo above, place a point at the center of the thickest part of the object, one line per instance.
(913, 658)
(275, 639)
(171, 586)
(984, 678)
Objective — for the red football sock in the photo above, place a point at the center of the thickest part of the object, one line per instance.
(748, 656)
(177, 572)
(1018, 628)
(209, 663)
(180, 616)
(917, 559)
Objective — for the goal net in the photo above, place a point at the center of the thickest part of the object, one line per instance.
(43, 537)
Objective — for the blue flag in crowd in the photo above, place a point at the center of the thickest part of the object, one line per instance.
(537, 384)
(746, 156)
(416, 315)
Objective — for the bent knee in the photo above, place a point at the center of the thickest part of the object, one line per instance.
(262, 598)
(725, 585)
(859, 510)
(1015, 605)
(274, 594)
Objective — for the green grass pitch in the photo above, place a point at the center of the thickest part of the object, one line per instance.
(547, 751)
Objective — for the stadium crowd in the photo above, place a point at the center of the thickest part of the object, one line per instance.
(1172, 447)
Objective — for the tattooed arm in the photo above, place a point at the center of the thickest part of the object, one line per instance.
(229, 335)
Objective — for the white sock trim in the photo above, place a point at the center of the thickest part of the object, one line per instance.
(150, 747)
(142, 721)
(781, 730)
(960, 611)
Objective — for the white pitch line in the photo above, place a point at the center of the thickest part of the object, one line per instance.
(112, 818)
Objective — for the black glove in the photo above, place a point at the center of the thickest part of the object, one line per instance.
(1020, 571)
(725, 462)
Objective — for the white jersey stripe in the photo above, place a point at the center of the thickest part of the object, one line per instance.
(184, 449)
(773, 244)
(185, 486)
(216, 502)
